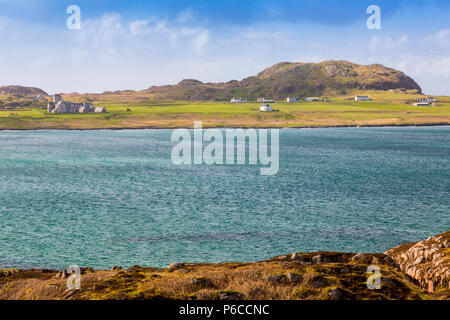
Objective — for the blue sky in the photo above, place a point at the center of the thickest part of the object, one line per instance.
(135, 44)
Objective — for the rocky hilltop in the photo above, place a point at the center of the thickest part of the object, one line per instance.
(22, 91)
(292, 78)
(412, 271)
(328, 78)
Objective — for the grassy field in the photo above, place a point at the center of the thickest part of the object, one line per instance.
(386, 108)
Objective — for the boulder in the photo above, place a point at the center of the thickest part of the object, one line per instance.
(339, 294)
(230, 295)
(182, 271)
(116, 268)
(276, 279)
(87, 270)
(297, 257)
(294, 278)
(317, 259)
(202, 282)
(319, 282)
(175, 266)
(358, 257)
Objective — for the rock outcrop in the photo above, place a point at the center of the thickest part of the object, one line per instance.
(426, 261)
(412, 271)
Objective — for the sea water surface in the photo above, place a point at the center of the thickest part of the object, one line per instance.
(105, 198)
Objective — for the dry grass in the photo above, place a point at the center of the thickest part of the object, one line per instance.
(41, 285)
(266, 280)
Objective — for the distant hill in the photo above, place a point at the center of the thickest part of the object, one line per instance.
(328, 78)
(297, 79)
(22, 91)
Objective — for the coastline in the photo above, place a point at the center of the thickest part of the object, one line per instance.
(310, 276)
(443, 124)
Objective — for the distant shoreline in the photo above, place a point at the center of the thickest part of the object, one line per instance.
(444, 124)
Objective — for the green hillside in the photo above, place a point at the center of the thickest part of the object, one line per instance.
(299, 79)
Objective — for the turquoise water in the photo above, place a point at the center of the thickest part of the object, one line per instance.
(104, 198)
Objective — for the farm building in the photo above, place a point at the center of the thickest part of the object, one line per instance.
(427, 99)
(291, 99)
(312, 99)
(362, 98)
(238, 100)
(264, 100)
(422, 104)
(100, 110)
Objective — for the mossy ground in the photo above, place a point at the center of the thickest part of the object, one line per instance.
(208, 281)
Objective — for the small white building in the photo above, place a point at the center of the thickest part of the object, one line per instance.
(291, 99)
(100, 110)
(238, 100)
(422, 104)
(264, 100)
(312, 99)
(362, 98)
(431, 99)
(265, 108)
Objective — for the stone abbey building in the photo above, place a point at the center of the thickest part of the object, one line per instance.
(60, 106)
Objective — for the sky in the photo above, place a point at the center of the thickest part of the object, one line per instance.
(136, 44)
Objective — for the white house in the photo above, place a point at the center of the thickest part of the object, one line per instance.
(264, 100)
(422, 104)
(100, 110)
(292, 99)
(265, 108)
(238, 100)
(431, 99)
(312, 99)
(362, 98)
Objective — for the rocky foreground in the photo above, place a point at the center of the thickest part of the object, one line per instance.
(416, 271)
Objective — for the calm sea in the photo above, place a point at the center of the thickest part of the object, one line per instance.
(105, 198)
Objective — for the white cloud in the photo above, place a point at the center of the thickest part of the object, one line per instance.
(420, 66)
(441, 38)
(387, 43)
(201, 40)
(110, 53)
(186, 16)
(138, 27)
(374, 43)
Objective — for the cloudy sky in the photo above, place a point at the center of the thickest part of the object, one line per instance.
(135, 44)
